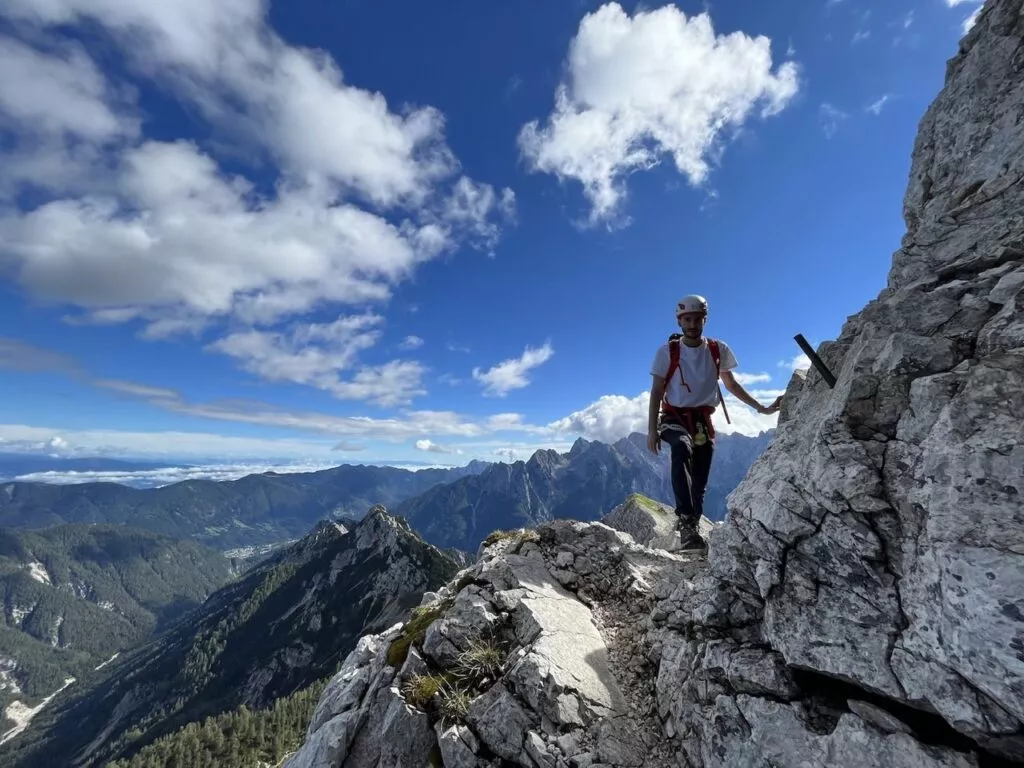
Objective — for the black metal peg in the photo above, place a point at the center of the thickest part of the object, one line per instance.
(816, 361)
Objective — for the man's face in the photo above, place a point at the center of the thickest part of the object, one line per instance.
(692, 324)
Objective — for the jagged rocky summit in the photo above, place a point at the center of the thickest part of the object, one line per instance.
(542, 652)
(863, 604)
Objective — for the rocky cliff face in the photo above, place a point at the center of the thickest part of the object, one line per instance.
(876, 550)
(862, 606)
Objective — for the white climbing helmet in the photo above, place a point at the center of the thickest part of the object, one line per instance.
(692, 303)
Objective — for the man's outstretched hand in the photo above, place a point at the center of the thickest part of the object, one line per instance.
(771, 408)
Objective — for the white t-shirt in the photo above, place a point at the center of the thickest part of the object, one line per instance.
(698, 369)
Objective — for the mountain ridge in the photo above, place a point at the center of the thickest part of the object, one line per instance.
(263, 508)
(583, 483)
(74, 595)
(278, 629)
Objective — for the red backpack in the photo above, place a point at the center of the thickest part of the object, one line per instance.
(673, 354)
(673, 357)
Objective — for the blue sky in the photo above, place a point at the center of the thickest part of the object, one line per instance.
(429, 232)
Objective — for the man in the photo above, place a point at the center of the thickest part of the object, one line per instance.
(684, 393)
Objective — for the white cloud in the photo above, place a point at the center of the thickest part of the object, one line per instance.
(60, 114)
(613, 417)
(471, 205)
(971, 20)
(799, 362)
(161, 476)
(292, 102)
(657, 83)
(315, 354)
(608, 419)
(752, 378)
(58, 94)
(859, 35)
(512, 373)
(257, 260)
(411, 342)
(21, 438)
(745, 420)
(431, 447)
(158, 233)
(876, 106)
(830, 117)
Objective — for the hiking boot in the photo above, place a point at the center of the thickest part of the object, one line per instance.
(691, 541)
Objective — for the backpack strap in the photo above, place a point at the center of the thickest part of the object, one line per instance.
(716, 354)
(673, 360)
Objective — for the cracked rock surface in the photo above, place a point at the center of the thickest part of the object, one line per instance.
(879, 541)
(568, 606)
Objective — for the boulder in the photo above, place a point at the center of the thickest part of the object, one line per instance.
(650, 522)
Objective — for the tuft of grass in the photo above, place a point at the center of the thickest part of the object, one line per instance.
(420, 619)
(481, 659)
(420, 689)
(519, 537)
(495, 536)
(454, 704)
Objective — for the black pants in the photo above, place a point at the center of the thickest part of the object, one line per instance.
(691, 465)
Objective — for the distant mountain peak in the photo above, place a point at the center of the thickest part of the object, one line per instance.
(578, 446)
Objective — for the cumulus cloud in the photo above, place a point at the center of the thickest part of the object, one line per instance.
(431, 447)
(642, 87)
(314, 354)
(613, 417)
(58, 94)
(159, 233)
(799, 362)
(608, 419)
(411, 342)
(512, 373)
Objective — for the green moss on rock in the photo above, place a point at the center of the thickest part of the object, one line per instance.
(647, 503)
